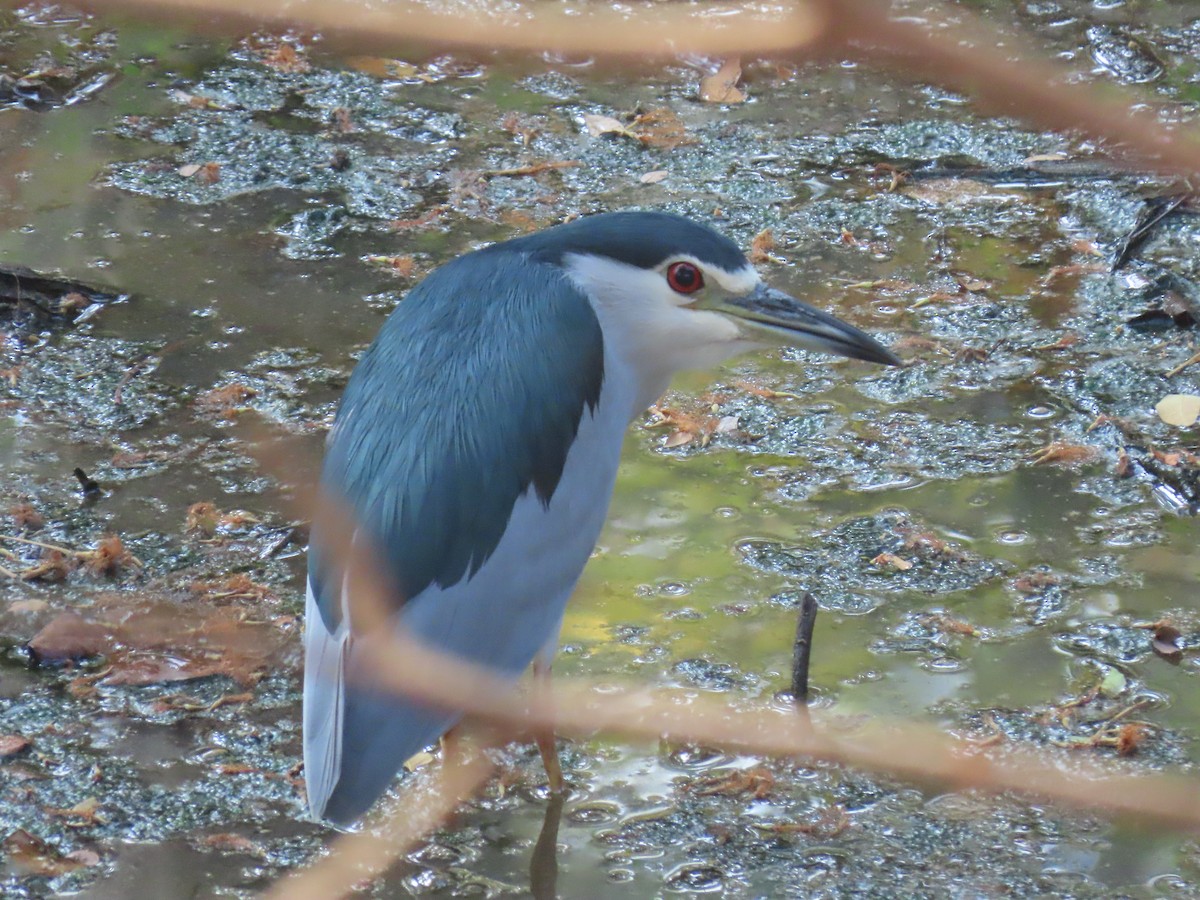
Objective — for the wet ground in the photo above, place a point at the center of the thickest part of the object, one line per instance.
(989, 531)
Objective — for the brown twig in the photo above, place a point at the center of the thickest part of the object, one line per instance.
(646, 30)
(531, 169)
(367, 854)
(1187, 363)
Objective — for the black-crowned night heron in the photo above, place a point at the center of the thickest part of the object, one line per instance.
(477, 445)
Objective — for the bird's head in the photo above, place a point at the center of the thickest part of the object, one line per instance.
(675, 294)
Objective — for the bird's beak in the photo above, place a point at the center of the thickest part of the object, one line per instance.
(804, 326)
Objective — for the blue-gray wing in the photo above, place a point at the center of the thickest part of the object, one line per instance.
(465, 406)
(472, 392)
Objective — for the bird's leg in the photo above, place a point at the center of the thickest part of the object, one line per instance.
(543, 735)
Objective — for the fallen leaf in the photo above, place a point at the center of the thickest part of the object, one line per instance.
(765, 392)
(138, 671)
(1166, 641)
(1033, 582)
(25, 516)
(761, 246)
(109, 557)
(235, 587)
(831, 822)
(1113, 684)
(382, 67)
(229, 842)
(1124, 466)
(68, 637)
(419, 761)
(1130, 738)
(678, 439)
(600, 125)
(225, 400)
(1169, 459)
(1043, 157)
(1180, 410)
(209, 173)
(33, 856)
(950, 625)
(662, 129)
(1067, 340)
(189, 170)
(195, 101)
(1062, 452)
(726, 424)
(202, 518)
(949, 191)
(284, 57)
(85, 811)
(891, 559)
(12, 744)
(84, 857)
(148, 639)
(71, 302)
(653, 177)
(759, 782)
(517, 127)
(341, 119)
(129, 460)
(721, 86)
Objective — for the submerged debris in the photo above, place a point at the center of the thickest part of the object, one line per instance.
(32, 300)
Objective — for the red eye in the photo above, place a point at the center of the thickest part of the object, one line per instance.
(684, 277)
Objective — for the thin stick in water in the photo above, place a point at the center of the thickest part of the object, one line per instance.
(802, 649)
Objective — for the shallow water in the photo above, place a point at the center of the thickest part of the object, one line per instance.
(263, 278)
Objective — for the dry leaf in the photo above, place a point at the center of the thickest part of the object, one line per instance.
(12, 744)
(721, 86)
(209, 173)
(891, 559)
(33, 856)
(1130, 738)
(653, 177)
(726, 424)
(156, 669)
(1166, 641)
(225, 400)
(1180, 410)
(419, 760)
(950, 625)
(202, 517)
(85, 811)
(69, 636)
(601, 125)
(285, 57)
(662, 129)
(758, 782)
(189, 170)
(109, 557)
(761, 246)
(25, 516)
(678, 439)
(229, 842)
(949, 191)
(1061, 452)
(147, 640)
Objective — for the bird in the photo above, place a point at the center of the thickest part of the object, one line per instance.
(476, 447)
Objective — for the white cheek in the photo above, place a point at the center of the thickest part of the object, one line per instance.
(648, 325)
